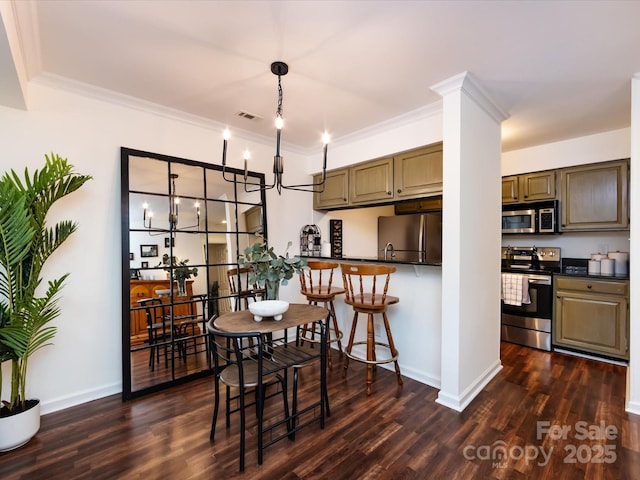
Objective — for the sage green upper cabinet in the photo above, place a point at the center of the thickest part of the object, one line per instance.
(253, 219)
(371, 181)
(418, 173)
(510, 189)
(529, 187)
(336, 190)
(412, 174)
(595, 197)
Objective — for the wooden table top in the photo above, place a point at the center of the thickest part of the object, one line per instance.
(298, 314)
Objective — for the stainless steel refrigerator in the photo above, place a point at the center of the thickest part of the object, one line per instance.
(411, 238)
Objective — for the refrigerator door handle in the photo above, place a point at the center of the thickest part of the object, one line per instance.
(421, 242)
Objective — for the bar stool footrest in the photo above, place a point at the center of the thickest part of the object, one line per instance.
(333, 338)
(393, 358)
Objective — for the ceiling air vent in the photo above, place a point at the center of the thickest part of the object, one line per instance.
(249, 116)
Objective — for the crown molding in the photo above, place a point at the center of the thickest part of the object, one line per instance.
(111, 97)
(127, 101)
(413, 116)
(467, 83)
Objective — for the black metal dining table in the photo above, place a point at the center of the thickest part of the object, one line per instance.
(283, 355)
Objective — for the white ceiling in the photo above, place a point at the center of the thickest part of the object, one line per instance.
(560, 69)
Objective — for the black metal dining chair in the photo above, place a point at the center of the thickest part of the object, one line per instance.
(240, 362)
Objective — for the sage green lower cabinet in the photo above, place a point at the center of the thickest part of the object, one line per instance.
(592, 316)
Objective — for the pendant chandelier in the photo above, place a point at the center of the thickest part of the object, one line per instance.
(174, 206)
(280, 69)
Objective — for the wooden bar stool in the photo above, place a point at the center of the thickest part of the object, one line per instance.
(365, 294)
(316, 285)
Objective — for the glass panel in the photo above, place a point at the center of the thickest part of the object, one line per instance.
(148, 175)
(168, 303)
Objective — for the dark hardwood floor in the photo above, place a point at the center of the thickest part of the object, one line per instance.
(396, 433)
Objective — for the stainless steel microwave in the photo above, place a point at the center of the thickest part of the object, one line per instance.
(530, 218)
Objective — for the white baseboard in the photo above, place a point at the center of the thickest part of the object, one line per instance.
(633, 407)
(461, 401)
(61, 403)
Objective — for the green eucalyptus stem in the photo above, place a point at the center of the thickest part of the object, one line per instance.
(267, 268)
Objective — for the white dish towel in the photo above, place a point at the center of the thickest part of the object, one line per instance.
(515, 289)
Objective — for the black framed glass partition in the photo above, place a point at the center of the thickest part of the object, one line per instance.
(183, 227)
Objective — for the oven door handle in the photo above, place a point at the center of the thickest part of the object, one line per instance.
(539, 280)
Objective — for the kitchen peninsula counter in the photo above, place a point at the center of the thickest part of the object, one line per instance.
(372, 260)
(416, 321)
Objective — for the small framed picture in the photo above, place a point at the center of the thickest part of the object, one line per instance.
(169, 242)
(144, 265)
(130, 255)
(148, 250)
(134, 273)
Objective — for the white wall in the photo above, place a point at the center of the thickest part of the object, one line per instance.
(85, 361)
(576, 151)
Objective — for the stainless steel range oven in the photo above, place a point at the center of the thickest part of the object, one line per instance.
(530, 323)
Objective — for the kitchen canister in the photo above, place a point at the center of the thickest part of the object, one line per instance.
(594, 267)
(597, 256)
(607, 266)
(622, 262)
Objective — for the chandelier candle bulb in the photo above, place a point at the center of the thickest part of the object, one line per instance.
(325, 145)
(279, 124)
(225, 137)
(247, 155)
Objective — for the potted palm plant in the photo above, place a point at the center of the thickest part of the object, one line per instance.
(26, 306)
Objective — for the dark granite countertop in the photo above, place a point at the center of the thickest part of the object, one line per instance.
(590, 275)
(373, 260)
(578, 267)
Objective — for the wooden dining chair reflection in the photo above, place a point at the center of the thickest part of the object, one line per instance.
(240, 288)
(192, 324)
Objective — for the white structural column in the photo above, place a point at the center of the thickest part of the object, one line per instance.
(471, 240)
(13, 76)
(633, 372)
